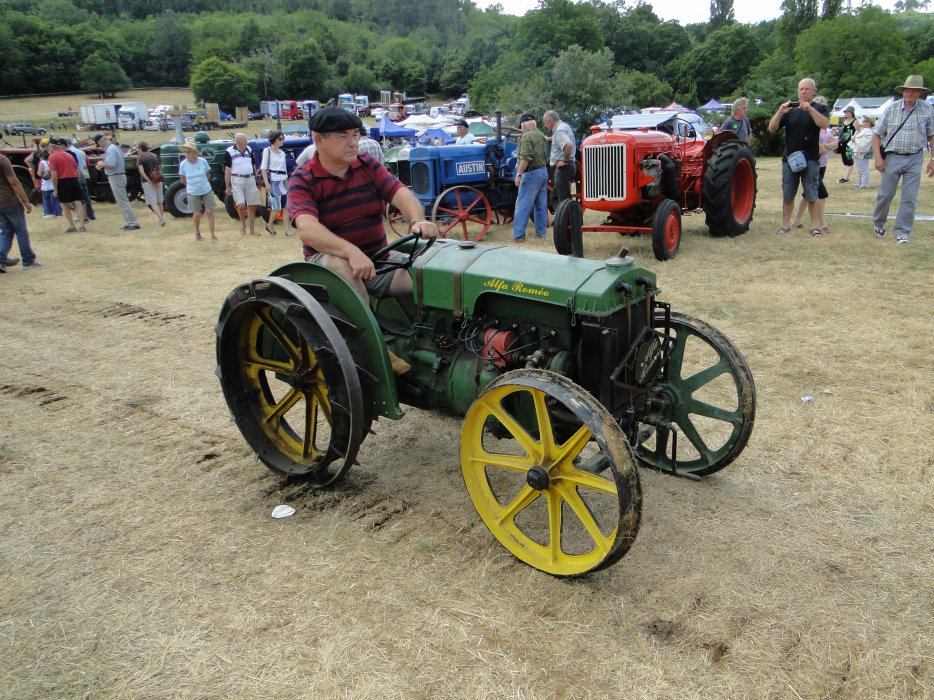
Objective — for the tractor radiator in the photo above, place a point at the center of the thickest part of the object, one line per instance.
(605, 172)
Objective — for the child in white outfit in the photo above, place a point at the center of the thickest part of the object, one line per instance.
(862, 152)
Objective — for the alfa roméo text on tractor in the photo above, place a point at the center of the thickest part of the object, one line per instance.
(646, 170)
(569, 373)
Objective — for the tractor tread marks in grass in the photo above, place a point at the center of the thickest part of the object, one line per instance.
(729, 194)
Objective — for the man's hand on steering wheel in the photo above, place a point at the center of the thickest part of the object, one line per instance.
(427, 229)
(418, 229)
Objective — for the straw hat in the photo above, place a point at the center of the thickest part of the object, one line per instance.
(914, 82)
(189, 146)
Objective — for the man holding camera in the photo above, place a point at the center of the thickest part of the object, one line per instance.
(803, 121)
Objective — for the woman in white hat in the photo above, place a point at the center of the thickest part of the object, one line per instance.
(194, 172)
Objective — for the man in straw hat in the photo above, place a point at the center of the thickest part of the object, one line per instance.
(898, 146)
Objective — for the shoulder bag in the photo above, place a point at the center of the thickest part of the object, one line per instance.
(907, 117)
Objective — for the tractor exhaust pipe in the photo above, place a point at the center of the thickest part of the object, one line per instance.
(644, 281)
(499, 125)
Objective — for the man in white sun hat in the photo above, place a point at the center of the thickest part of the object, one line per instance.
(898, 145)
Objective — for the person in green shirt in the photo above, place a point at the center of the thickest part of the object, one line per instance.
(531, 179)
(738, 122)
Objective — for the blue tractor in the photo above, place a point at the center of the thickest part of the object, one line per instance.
(465, 189)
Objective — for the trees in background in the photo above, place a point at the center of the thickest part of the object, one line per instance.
(214, 80)
(585, 58)
(102, 75)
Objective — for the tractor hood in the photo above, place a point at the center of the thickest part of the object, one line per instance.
(456, 276)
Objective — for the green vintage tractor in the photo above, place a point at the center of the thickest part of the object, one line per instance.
(569, 373)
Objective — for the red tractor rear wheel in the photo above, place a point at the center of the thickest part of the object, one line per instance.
(729, 195)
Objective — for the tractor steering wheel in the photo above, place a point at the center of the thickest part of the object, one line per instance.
(384, 266)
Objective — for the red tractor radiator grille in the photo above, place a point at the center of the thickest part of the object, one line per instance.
(605, 172)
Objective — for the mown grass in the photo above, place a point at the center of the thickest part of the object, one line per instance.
(139, 559)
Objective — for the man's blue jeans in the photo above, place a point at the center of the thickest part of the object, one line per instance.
(533, 193)
(13, 221)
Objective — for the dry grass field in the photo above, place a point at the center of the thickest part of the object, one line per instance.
(138, 558)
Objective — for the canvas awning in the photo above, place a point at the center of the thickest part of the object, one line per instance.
(390, 129)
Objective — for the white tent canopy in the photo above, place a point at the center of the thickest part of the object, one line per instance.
(417, 120)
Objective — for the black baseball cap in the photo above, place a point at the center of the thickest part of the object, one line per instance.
(526, 118)
(463, 123)
(329, 119)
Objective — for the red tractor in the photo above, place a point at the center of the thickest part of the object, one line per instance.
(645, 171)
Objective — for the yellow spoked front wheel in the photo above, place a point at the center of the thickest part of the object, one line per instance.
(550, 473)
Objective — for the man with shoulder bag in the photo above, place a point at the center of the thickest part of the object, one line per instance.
(898, 147)
(802, 120)
(151, 178)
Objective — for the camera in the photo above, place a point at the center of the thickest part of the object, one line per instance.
(794, 104)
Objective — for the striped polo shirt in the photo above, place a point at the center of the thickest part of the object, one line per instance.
(350, 207)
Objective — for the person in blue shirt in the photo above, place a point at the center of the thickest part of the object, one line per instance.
(194, 173)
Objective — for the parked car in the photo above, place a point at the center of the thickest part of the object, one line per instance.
(14, 129)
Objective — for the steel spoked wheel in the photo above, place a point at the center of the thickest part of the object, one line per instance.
(550, 473)
(462, 211)
(708, 395)
(290, 381)
(666, 230)
(396, 220)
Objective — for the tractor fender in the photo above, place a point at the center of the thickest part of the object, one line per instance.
(325, 285)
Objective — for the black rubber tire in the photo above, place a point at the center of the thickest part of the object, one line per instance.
(33, 193)
(567, 228)
(729, 194)
(231, 207)
(666, 230)
(176, 201)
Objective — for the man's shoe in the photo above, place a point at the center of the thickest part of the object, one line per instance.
(843, 179)
(130, 227)
(880, 231)
(399, 366)
(10, 262)
(2, 268)
(902, 239)
(35, 263)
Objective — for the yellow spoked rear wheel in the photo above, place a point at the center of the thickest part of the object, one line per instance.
(290, 380)
(290, 391)
(550, 473)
